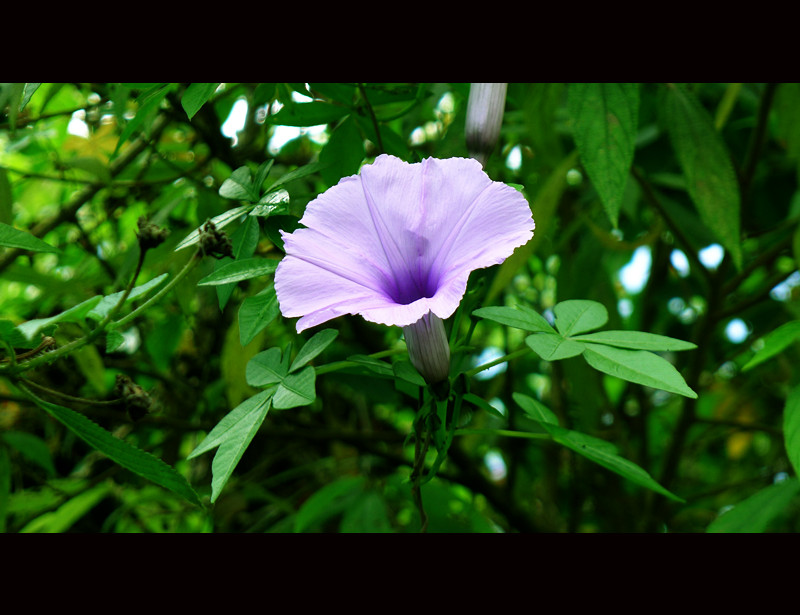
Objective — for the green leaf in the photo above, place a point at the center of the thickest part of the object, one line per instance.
(637, 366)
(599, 451)
(32, 448)
(297, 389)
(315, 345)
(520, 317)
(220, 222)
(578, 315)
(236, 271)
(328, 501)
(256, 313)
(706, 164)
(475, 400)
(304, 171)
(70, 512)
(101, 310)
(535, 409)
(276, 201)
(265, 368)
(6, 200)
(148, 102)
(775, 342)
(605, 121)
(312, 113)
(233, 435)
(126, 455)
(244, 241)
(343, 152)
(754, 514)
(239, 186)
(636, 340)
(376, 366)
(791, 428)
(11, 237)
(77, 313)
(195, 96)
(553, 347)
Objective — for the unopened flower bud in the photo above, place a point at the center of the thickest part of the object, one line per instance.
(150, 235)
(428, 348)
(485, 108)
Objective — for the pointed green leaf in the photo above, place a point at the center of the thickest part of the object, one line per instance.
(775, 342)
(239, 186)
(332, 499)
(312, 113)
(233, 435)
(101, 310)
(244, 241)
(553, 347)
(635, 340)
(637, 366)
(578, 315)
(265, 368)
(706, 164)
(121, 452)
(195, 96)
(77, 313)
(605, 122)
(473, 399)
(236, 271)
(256, 313)
(275, 202)
(535, 409)
(754, 514)
(520, 317)
(791, 428)
(297, 389)
(11, 237)
(315, 345)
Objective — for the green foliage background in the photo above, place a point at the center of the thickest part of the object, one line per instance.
(254, 428)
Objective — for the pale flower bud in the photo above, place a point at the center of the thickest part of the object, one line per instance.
(485, 108)
(428, 348)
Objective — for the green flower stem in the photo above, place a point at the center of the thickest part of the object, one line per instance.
(337, 365)
(509, 357)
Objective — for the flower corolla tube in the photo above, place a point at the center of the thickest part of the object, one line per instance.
(396, 244)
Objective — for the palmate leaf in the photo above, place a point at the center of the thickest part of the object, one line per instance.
(637, 366)
(128, 456)
(553, 347)
(599, 451)
(233, 435)
(577, 316)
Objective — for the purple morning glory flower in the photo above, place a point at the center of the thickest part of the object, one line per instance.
(396, 244)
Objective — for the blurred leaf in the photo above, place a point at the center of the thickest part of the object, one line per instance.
(236, 271)
(6, 199)
(520, 317)
(791, 428)
(703, 156)
(367, 514)
(535, 409)
(636, 340)
(196, 95)
(312, 113)
(553, 347)
(577, 316)
(255, 313)
(328, 501)
(754, 514)
(605, 123)
(637, 366)
(473, 399)
(76, 313)
(70, 512)
(107, 303)
(775, 342)
(14, 238)
(128, 456)
(343, 152)
(233, 435)
(148, 104)
(32, 448)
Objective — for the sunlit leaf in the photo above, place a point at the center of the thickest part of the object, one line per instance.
(639, 366)
(577, 316)
(195, 96)
(520, 317)
(636, 340)
(553, 347)
(236, 271)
